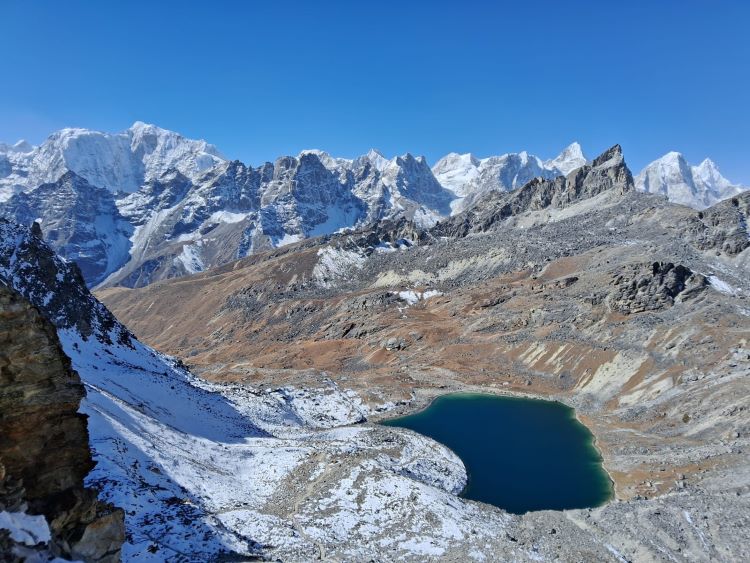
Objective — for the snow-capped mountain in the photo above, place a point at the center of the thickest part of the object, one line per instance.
(695, 186)
(469, 178)
(568, 160)
(116, 162)
(181, 207)
(234, 210)
(80, 221)
(147, 204)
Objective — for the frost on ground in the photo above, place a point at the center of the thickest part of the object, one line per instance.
(334, 263)
(203, 469)
(721, 286)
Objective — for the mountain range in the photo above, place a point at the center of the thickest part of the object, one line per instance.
(576, 288)
(149, 204)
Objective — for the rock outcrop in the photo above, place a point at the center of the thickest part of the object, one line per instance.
(721, 228)
(44, 442)
(29, 265)
(653, 287)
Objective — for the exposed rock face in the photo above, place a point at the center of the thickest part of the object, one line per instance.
(723, 227)
(607, 172)
(184, 226)
(653, 287)
(44, 442)
(79, 221)
(31, 266)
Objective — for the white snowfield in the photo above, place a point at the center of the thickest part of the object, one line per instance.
(202, 469)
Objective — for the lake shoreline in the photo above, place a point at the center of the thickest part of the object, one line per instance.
(582, 481)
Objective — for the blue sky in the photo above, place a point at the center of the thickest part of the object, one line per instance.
(264, 79)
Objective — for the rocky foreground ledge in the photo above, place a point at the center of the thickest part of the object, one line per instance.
(44, 448)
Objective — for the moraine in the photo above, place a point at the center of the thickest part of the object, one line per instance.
(520, 454)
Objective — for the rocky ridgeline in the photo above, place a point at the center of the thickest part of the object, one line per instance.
(640, 288)
(723, 227)
(44, 445)
(97, 240)
(608, 172)
(29, 265)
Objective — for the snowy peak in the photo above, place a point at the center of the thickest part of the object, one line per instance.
(708, 173)
(456, 171)
(569, 159)
(468, 177)
(695, 186)
(21, 146)
(377, 159)
(117, 162)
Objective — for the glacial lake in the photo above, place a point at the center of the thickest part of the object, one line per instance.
(520, 454)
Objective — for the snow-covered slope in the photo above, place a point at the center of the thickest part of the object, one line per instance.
(117, 162)
(469, 178)
(204, 471)
(695, 186)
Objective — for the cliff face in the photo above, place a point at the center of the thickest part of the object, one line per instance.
(44, 441)
(608, 172)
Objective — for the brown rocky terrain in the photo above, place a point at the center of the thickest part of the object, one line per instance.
(631, 309)
(44, 443)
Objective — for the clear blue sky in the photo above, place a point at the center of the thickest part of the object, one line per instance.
(265, 79)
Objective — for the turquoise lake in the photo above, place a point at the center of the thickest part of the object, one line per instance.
(520, 454)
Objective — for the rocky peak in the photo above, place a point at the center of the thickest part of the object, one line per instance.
(609, 158)
(30, 266)
(608, 172)
(79, 220)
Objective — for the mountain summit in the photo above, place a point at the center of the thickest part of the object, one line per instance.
(117, 162)
(695, 186)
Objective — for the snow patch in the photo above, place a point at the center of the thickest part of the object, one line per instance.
(721, 286)
(412, 297)
(334, 263)
(25, 528)
(190, 258)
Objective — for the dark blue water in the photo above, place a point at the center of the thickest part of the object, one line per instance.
(520, 454)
